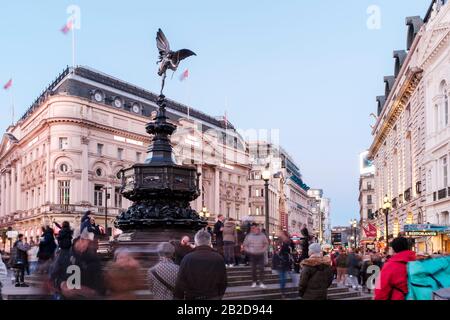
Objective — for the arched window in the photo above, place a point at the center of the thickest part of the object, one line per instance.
(64, 168)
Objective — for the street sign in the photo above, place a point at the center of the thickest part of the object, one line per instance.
(12, 234)
(421, 233)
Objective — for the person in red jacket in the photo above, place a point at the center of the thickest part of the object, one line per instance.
(393, 280)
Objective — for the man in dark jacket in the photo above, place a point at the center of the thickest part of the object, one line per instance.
(202, 274)
(218, 232)
(182, 248)
(316, 276)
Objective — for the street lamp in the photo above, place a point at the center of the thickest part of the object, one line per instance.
(386, 208)
(353, 224)
(266, 178)
(107, 197)
(204, 213)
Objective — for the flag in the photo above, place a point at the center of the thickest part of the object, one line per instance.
(184, 75)
(67, 27)
(8, 85)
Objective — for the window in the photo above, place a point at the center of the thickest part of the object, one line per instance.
(262, 192)
(38, 196)
(369, 199)
(99, 172)
(369, 214)
(257, 211)
(444, 171)
(64, 192)
(239, 179)
(63, 167)
(32, 198)
(369, 185)
(99, 149)
(138, 156)
(63, 143)
(119, 153)
(98, 195)
(257, 193)
(117, 198)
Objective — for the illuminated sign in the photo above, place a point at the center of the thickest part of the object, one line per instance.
(421, 233)
(131, 141)
(365, 165)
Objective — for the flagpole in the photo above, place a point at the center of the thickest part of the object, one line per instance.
(12, 105)
(73, 46)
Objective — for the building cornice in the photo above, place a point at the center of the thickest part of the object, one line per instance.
(398, 104)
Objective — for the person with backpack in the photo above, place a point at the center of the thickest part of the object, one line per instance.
(393, 279)
(19, 260)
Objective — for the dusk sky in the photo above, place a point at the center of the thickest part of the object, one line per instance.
(311, 69)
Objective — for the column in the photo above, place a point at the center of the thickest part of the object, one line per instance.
(84, 166)
(8, 193)
(3, 193)
(18, 187)
(216, 192)
(199, 203)
(14, 195)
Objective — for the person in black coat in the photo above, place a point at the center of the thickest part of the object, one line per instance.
(218, 232)
(304, 243)
(202, 274)
(47, 247)
(282, 260)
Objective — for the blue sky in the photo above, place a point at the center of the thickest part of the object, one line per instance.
(309, 68)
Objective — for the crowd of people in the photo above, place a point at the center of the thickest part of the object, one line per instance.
(198, 270)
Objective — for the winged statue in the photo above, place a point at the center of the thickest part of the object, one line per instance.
(169, 59)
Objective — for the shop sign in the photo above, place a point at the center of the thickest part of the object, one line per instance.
(421, 233)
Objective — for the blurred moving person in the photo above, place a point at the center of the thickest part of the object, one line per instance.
(122, 277)
(255, 246)
(229, 241)
(163, 276)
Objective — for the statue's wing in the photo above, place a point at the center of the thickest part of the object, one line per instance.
(161, 42)
(183, 54)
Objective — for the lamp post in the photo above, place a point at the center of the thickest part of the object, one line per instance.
(353, 224)
(266, 178)
(107, 197)
(386, 208)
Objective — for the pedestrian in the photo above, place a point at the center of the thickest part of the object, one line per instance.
(304, 242)
(92, 285)
(182, 248)
(341, 266)
(333, 257)
(47, 247)
(282, 261)
(229, 241)
(163, 276)
(353, 268)
(366, 263)
(393, 279)
(122, 276)
(218, 232)
(32, 257)
(316, 276)
(238, 254)
(62, 257)
(19, 260)
(85, 220)
(255, 246)
(202, 274)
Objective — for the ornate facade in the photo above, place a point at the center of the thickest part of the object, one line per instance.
(409, 146)
(66, 152)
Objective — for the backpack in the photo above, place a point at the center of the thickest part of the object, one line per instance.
(427, 276)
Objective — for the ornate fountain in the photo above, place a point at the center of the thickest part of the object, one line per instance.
(160, 189)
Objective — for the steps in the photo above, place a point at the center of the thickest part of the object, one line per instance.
(239, 288)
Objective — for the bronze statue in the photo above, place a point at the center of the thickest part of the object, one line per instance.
(169, 59)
